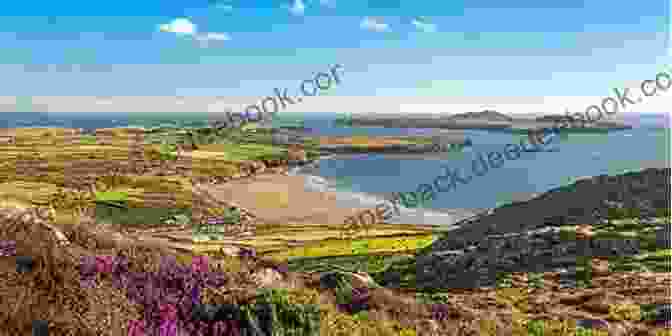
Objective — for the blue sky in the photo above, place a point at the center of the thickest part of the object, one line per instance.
(389, 48)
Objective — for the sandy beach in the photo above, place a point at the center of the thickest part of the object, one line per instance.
(280, 199)
(283, 199)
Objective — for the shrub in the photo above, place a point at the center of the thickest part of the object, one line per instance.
(166, 296)
(535, 328)
(361, 316)
(110, 213)
(433, 297)
(179, 219)
(71, 200)
(407, 332)
(536, 280)
(625, 312)
(273, 309)
(226, 215)
(504, 280)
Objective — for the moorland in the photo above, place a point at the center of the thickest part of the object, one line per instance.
(146, 194)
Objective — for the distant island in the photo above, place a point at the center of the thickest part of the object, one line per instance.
(484, 120)
(486, 114)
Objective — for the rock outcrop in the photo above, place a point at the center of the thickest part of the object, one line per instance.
(545, 250)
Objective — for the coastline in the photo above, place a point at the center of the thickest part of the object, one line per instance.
(312, 182)
(444, 218)
(333, 205)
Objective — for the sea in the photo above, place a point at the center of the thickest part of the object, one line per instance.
(365, 180)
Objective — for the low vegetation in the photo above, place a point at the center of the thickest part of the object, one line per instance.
(301, 304)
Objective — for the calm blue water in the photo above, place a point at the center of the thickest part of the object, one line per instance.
(99, 120)
(578, 156)
(365, 179)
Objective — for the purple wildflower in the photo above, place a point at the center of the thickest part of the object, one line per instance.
(104, 264)
(7, 248)
(87, 282)
(168, 325)
(168, 328)
(199, 264)
(87, 265)
(196, 295)
(215, 220)
(168, 312)
(136, 328)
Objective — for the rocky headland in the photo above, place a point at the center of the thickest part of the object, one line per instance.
(551, 232)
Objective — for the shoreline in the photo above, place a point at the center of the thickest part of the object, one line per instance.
(312, 182)
(301, 188)
(444, 218)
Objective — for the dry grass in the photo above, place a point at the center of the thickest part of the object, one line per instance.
(55, 294)
(52, 291)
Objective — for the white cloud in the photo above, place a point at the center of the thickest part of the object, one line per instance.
(183, 26)
(373, 25)
(425, 27)
(205, 39)
(179, 26)
(298, 8)
(216, 36)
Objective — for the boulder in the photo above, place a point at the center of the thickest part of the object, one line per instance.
(247, 252)
(429, 327)
(598, 324)
(266, 277)
(663, 236)
(599, 267)
(230, 251)
(331, 280)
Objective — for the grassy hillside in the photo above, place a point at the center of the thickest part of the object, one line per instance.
(53, 154)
